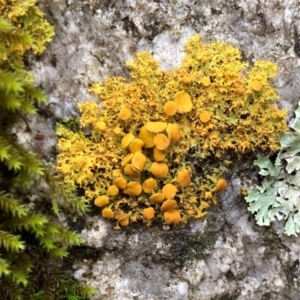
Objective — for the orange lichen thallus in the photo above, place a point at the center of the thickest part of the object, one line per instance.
(149, 146)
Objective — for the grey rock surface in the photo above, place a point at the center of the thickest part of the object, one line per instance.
(226, 256)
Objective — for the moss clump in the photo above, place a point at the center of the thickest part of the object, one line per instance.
(32, 240)
(144, 128)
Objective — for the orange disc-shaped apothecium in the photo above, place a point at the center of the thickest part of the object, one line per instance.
(184, 177)
(256, 85)
(148, 213)
(221, 185)
(147, 137)
(157, 198)
(101, 201)
(119, 213)
(131, 171)
(172, 217)
(133, 188)
(159, 155)
(113, 190)
(169, 190)
(173, 131)
(100, 125)
(117, 172)
(138, 161)
(205, 116)
(107, 213)
(127, 159)
(170, 108)
(183, 102)
(126, 140)
(117, 130)
(125, 114)
(169, 205)
(156, 127)
(120, 182)
(159, 169)
(206, 81)
(124, 221)
(136, 145)
(149, 185)
(161, 141)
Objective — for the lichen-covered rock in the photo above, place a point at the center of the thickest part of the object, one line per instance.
(93, 41)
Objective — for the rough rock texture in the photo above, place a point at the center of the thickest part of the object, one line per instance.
(225, 256)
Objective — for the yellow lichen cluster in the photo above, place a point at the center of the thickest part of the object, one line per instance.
(132, 156)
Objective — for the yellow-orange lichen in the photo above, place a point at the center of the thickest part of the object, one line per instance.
(125, 114)
(173, 131)
(159, 155)
(149, 185)
(119, 213)
(124, 221)
(159, 169)
(138, 161)
(113, 190)
(100, 125)
(170, 108)
(184, 177)
(116, 173)
(101, 201)
(205, 116)
(166, 124)
(183, 102)
(120, 182)
(147, 137)
(169, 190)
(156, 127)
(148, 213)
(256, 85)
(107, 213)
(133, 188)
(221, 185)
(206, 81)
(169, 205)
(161, 141)
(172, 217)
(136, 145)
(126, 140)
(157, 198)
(127, 159)
(131, 171)
(117, 130)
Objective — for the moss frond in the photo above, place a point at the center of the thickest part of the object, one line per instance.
(11, 242)
(4, 267)
(11, 206)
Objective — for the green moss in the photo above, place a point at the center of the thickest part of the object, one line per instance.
(32, 240)
(71, 124)
(213, 102)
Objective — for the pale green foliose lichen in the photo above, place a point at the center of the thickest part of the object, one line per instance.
(279, 196)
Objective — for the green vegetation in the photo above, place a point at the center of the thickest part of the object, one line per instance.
(33, 241)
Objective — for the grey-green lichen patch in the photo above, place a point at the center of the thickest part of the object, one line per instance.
(278, 198)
